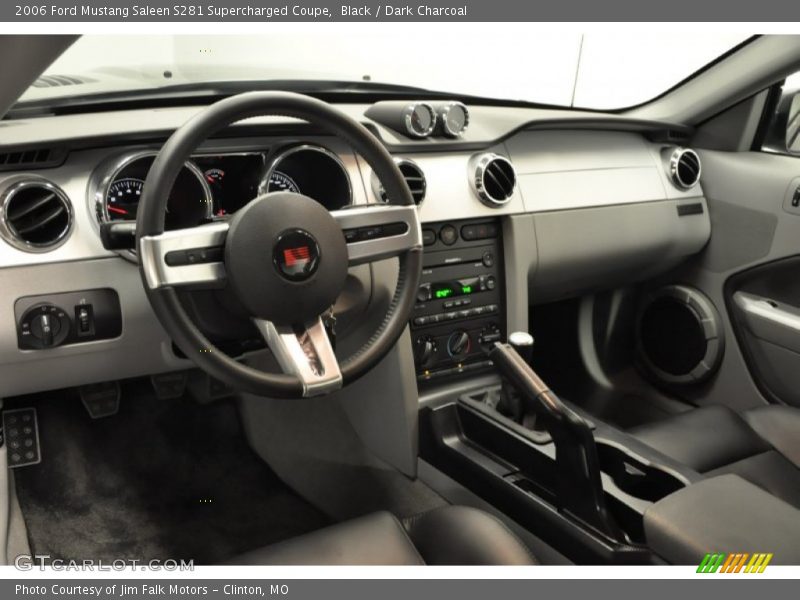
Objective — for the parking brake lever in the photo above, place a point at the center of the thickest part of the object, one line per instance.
(579, 486)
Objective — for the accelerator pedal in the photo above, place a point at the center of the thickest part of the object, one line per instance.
(21, 433)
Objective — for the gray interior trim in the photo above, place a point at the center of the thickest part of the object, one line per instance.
(598, 248)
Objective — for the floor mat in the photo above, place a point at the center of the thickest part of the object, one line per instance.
(161, 479)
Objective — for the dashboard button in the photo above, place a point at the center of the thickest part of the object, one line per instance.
(428, 237)
(449, 235)
(488, 259)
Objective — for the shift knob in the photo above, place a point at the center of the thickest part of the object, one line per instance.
(522, 342)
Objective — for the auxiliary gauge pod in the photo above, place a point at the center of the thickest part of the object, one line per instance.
(579, 488)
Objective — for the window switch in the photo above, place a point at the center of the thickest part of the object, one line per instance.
(84, 320)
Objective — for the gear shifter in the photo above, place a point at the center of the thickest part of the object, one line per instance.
(579, 486)
(510, 403)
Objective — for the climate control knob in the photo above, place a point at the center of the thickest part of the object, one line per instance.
(425, 350)
(459, 344)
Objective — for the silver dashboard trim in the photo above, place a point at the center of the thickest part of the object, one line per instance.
(7, 232)
(479, 164)
(377, 186)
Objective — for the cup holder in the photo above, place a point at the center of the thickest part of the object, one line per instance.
(634, 477)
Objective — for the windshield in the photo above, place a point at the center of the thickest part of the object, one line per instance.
(596, 71)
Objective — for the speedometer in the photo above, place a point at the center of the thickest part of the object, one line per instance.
(122, 199)
(189, 203)
(281, 182)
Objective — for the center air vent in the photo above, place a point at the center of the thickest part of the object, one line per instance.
(684, 168)
(414, 177)
(35, 214)
(493, 179)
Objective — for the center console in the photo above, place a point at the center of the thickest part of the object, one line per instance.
(460, 308)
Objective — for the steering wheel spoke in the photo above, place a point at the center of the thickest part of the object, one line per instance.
(375, 232)
(185, 257)
(305, 352)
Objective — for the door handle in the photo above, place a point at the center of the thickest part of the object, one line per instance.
(769, 320)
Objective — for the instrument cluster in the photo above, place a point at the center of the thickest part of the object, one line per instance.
(214, 185)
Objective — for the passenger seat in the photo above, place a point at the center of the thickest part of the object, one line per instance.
(762, 445)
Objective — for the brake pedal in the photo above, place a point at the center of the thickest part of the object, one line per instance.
(100, 399)
(169, 386)
(21, 432)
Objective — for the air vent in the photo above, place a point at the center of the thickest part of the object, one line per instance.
(50, 81)
(31, 158)
(684, 168)
(35, 215)
(494, 179)
(414, 177)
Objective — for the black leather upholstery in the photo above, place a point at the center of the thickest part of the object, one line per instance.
(376, 539)
(457, 535)
(761, 446)
(454, 535)
(722, 513)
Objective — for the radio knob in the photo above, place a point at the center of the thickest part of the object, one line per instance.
(424, 293)
(425, 350)
(458, 344)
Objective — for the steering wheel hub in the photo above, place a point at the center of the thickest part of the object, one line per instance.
(286, 258)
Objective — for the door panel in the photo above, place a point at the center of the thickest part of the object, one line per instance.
(751, 258)
(765, 305)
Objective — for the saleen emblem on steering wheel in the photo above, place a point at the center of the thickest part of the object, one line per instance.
(296, 255)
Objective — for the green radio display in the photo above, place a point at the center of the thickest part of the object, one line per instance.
(446, 290)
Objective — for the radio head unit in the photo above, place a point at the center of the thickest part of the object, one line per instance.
(460, 310)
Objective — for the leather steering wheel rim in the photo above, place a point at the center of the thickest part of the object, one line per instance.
(150, 224)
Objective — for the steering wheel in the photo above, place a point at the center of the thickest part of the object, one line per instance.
(283, 255)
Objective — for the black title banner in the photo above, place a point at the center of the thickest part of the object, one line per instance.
(433, 10)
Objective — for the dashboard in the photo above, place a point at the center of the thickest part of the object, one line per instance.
(571, 202)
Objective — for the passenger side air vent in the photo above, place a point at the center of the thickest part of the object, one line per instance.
(49, 81)
(35, 214)
(414, 177)
(684, 168)
(32, 158)
(493, 180)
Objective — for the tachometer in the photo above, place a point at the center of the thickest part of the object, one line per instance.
(122, 200)
(281, 182)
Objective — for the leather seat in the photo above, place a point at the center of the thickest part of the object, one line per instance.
(761, 445)
(453, 535)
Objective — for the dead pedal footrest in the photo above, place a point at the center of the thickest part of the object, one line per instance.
(21, 433)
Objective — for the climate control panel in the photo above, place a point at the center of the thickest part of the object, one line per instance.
(52, 320)
(460, 309)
